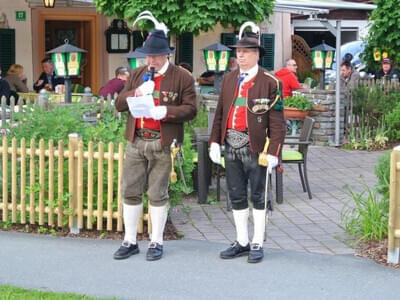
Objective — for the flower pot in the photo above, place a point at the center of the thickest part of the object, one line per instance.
(294, 113)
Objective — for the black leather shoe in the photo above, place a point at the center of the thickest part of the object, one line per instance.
(126, 250)
(154, 252)
(235, 250)
(256, 253)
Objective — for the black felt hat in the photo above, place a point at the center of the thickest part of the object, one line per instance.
(156, 44)
(249, 40)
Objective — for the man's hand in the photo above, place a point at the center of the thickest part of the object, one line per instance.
(215, 153)
(40, 82)
(146, 88)
(158, 112)
(272, 162)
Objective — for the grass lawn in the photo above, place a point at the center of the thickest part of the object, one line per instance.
(14, 293)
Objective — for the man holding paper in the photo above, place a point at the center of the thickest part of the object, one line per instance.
(150, 130)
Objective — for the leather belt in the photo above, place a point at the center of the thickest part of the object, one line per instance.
(147, 134)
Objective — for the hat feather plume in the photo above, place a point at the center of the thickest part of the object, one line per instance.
(147, 15)
(254, 28)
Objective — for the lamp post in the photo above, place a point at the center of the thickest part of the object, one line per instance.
(136, 59)
(49, 3)
(67, 64)
(217, 57)
(322, 58)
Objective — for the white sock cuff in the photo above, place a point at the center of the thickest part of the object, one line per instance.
(241, 223)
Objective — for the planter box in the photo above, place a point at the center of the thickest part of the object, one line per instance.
(294, 113)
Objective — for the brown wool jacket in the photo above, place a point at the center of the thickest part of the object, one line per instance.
(265, 86)
(178, 86)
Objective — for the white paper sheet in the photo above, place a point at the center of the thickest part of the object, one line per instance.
(140, 106)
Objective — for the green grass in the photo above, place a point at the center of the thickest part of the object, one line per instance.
(14, 293)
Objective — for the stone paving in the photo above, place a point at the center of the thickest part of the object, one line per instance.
(299, 224)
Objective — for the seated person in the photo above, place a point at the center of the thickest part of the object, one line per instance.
(348, 76)
(116, 84)
(387, 71)
(47, 80)
(4, 88)
(207, 78)
(16, 79)
(288, 77)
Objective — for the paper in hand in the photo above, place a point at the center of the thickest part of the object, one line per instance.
(140, 106)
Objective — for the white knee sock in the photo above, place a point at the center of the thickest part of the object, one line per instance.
(259, 226)
(132, 215)
(158, 215)
(241, 218)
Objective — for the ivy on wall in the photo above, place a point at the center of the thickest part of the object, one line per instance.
(190, 16)
(384, 33)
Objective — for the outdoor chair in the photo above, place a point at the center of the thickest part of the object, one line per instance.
(299, 156)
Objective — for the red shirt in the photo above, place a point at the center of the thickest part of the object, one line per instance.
(150, 123)
(289, 81)
(238, 114)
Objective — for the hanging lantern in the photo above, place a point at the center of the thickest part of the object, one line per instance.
(323, 56)
(217, 57)
(136, 59)
(377, 54)
(49, 3)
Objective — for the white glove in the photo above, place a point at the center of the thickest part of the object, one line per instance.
(215, 153)
(147, 87)
(158, 112)
(272, 162)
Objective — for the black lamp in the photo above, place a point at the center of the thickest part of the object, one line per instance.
(67, 63)
(49, 3)
(322, 58)
(217, 57)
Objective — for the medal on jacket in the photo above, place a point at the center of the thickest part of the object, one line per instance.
(260, 105)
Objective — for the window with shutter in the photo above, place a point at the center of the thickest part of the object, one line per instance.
(7, 49)
(186, 48)
(268, 43)
(229, 39)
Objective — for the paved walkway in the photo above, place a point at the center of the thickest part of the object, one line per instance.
(298, 224)
(188, 270)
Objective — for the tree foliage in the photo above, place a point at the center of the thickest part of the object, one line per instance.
(384, 33)
(190, 16)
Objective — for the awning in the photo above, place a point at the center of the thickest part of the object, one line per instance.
(323, 4)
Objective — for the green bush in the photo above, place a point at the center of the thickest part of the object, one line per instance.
(373, 103)
(393, 123)
(299, 102)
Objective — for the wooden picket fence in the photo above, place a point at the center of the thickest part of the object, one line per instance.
(30, 196)
(383, 84)
(394, 208)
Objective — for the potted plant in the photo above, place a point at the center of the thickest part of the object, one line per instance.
(296, 107)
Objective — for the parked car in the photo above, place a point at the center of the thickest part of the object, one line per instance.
(355, 48)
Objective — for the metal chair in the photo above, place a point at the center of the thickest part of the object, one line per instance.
(299, 156)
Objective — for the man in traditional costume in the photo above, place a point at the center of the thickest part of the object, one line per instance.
(249, 110)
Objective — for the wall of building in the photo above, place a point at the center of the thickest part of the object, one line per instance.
(279, 24)
(23, 34)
